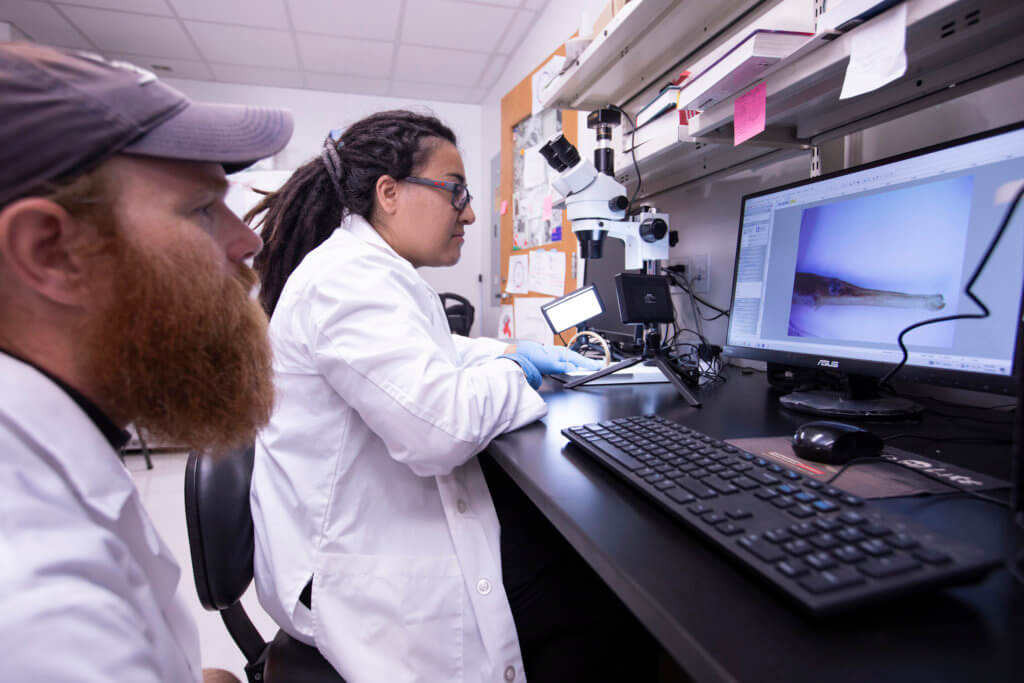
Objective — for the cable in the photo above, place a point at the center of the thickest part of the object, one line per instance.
(673, 276)
(586, 334)
(632, 151)
(563, 339)
(967, 290)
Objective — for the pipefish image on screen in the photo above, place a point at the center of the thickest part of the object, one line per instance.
(869, 266)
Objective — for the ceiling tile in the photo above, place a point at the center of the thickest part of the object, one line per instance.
(347, 84)
(535, 4)
(416, 92)
(136, 34)
(435, 65)
(444, 23)
(493, 71)
(331, 54)
(265, 13)
(516, 31)
(377, 20)
(244, 45)
(258, 75)
(43, 24)
(137, 6)
(180, 68)
(503, 3)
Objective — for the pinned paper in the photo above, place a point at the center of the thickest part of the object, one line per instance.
(529, 321)
(504, 207)
(547, 272)
(518, 274)
(877, 53)
(535, 168)
(546, 211)
(506, 322)
(748, 113)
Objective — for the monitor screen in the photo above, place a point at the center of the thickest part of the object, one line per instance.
(601, 273)
(830, 270)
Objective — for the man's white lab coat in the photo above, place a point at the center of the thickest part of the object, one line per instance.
(87, 587)
(366, 480)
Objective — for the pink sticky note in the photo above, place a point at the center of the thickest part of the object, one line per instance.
(748, 113)
(546, 211)
(504, 206)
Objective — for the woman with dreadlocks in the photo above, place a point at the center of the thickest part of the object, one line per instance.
(377, 536)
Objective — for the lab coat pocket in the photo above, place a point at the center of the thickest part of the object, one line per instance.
(389, 617)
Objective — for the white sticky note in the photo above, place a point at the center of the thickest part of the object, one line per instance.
(877, 53)
(535, 168)
(529, 321)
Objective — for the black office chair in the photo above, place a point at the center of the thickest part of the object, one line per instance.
(220, 535)
(459, 311)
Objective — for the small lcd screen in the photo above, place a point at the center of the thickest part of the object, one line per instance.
(572, 309)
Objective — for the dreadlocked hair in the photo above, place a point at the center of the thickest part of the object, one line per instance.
(311, 204)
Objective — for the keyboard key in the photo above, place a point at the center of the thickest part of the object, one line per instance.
(824, 541)
(875, 547)
(745, 483)
(644, 471)
(851, 517)
(789, 474)
(824, 506)
(792, 568)
(654, 478)
(775, 468)
(766, 494)
(786, 489)
(719, 484)
(713, 518)
(782, 502)
(880, 567)
(872, 529)
(778, 535)
(662, 485)
(832, 580)
(696, 488)
(730, 528)
(803, 529)
(761, 548)
(849, 554)
(805, 497)
(827, 523)
(820, 561)
(763, 477)
(616, 453)
(700, 509)
(801, 511)
(679, 495)
(811, 484)
(901, 541)
(850, 534)
(797, 547)
(852, 500)
(738, 513)
(832, 492)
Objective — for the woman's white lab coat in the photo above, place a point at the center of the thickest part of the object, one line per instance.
(366, 480)
(88, 591)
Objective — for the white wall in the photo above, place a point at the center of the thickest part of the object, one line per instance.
(317, 112)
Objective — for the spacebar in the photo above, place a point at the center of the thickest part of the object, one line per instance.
(621, 456)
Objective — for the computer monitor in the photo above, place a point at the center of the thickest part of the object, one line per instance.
(830, 270)
(601, 273)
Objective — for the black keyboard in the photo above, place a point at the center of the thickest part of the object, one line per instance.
(824, 548)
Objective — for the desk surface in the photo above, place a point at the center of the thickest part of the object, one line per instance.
(718, 621)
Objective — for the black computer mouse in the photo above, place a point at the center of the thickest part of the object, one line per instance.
(834, 443)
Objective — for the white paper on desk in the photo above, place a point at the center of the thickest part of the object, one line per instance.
(535, 168)
(518, 274)
(877, 53)
(529, 321)
(547, 272)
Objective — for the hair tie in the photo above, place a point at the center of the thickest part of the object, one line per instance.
(332, 161)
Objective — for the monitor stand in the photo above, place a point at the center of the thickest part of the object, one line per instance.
(859, 399)
(651, 352)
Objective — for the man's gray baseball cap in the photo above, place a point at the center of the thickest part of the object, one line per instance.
(62, 113)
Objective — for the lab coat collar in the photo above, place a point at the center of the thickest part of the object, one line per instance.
(60, 431)
(361, 228)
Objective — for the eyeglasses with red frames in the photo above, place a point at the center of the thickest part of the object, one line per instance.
(459, 191)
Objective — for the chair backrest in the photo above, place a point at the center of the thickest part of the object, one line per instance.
(220, 537)
(459, 311)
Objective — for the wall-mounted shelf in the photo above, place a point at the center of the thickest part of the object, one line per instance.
(642, 45)
(968, 44)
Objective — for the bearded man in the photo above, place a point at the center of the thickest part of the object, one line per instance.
(124, 297)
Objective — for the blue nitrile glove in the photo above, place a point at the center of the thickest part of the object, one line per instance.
(529, 369)
(555, 359)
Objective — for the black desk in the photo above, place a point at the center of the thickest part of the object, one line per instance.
(716, 620)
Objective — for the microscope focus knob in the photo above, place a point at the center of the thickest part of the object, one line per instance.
(653, 229)
(619, 203)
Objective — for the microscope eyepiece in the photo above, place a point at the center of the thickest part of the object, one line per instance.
(560, 153)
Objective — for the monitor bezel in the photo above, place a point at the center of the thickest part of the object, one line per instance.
(975, 381)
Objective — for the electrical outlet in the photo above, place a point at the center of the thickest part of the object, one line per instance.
(698, 272)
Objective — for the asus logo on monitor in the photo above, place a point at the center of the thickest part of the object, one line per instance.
(828, 363)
